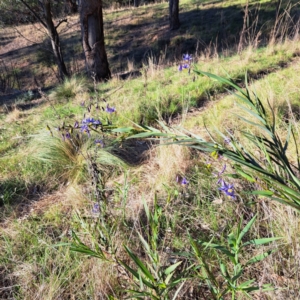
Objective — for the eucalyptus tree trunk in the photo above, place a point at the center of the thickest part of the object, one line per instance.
(174, 14)
(91, 18)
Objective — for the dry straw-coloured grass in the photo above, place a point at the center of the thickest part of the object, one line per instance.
(57, 276)
(165, 164)
(13, 116)
(74, 87)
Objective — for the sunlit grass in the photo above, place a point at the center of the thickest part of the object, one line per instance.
(35, 165)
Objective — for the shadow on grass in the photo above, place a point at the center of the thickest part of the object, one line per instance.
(203, 25)
(16, 197)
(5, 40)
(133, 152)
(209, 27)
(22, 100)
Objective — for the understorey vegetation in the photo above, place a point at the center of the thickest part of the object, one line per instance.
(177, 178)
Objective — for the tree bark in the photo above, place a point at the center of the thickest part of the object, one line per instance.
(55, 42)
(73, 7)
(174, 14)
(91, 19)
(136, 3)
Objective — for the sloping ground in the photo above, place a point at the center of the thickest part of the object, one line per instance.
(133, 36)
(48, 219)
(43, 201)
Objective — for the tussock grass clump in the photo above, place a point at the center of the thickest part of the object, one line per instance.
(65, 159)
(68, 160)
(70, 88)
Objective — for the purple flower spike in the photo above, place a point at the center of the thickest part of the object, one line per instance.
(76, 125)
(180, 68)
(186, 66)
(110, 109)
(228, 189)
(68, 135)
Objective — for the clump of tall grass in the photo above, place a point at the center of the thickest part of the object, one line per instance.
(65, 159)
(68, 160)
(70, 88)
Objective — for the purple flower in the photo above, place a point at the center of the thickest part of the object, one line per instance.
(227, 140)
(187, 57)
(99, 143)
(92, 121)
(180, 68)
(110, 109)
(85, 128)
(68, 135)
(182, 180)
(228, 189)
(96, 208)
(97, 122)
(88, 121)
(82, 103)
(186, 66)
(76, 125)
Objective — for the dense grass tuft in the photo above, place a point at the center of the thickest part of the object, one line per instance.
(70, 88)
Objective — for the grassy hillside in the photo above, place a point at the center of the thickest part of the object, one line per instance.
(87, 213)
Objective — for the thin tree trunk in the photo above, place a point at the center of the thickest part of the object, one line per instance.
(54, 37)
(174, 14)
(91, 19)
(73, 7)
(136, 3)
(52, 32)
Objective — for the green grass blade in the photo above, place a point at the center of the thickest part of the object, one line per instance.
(259, 257)
(172, 268)
(263, 193)
(255, 115)
(255, 124)
(139, 264)
(263, 241)
(245, 230)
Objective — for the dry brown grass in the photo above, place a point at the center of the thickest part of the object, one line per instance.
(14, 116)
